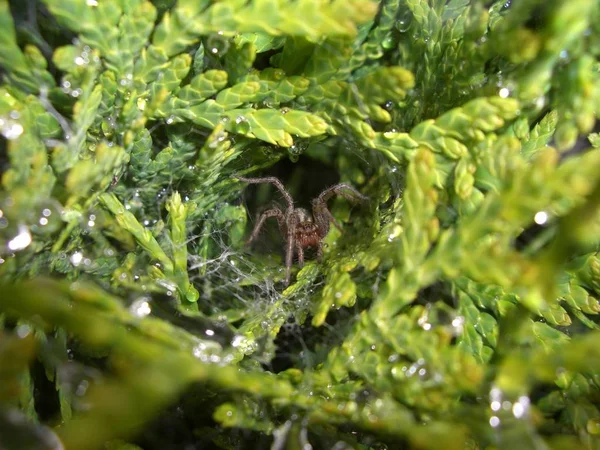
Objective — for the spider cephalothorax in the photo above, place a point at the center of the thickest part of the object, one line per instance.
(299, 227)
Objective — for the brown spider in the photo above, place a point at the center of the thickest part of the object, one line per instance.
(300, 228)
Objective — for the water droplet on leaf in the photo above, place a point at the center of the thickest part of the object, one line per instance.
(21, 241)
(10, 129)
(217, 44)
(141, 307)
(76, 258)
(242, 125)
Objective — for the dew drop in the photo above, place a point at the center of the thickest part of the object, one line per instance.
(541, 217)
(141, 307)
(11, 129)
(389, 42)
(21, 241)
(457, 325)
(403, 23)
(76, 258)
(82, 388)
(217, 44)
(504, 92)
(521, 407)
(540, 102)
(238, 340)
(242, 125)
(216, 139)
(23, 330)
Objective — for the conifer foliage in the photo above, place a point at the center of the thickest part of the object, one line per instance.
(457, 309)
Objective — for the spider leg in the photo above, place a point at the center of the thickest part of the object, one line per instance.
(275, 212)
(300, 252)
(321, 214)
(333, 220)
(320, 251)
(275, 182)
(343, 189)
(289, 252)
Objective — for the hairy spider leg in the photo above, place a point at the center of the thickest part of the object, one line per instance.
(275, 182)
(321, 213)
(343, 189)
(332, 219)
(275, 212)
(288, 220)
(289, 246)
(300, 252)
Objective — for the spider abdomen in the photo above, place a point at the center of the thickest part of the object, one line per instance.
(307, 234)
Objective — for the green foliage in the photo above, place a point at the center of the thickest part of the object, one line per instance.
(458, 308)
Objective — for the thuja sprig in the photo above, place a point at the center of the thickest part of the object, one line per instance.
(178, 213)
(172, 270)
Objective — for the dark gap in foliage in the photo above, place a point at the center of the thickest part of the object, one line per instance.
(529, 235)
(4, 161)
(287, 346)
(262, 60)
(177, 426)
(540, 116)
(539, 17)
(160, 138)
(304, 181)
(242, 439)
(34, 25)
(297, 345)
(581, 145)
(162, 6)
(47, 405)
(438, 291)
(165, 308)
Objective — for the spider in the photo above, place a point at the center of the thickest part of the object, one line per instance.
(300, 228)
